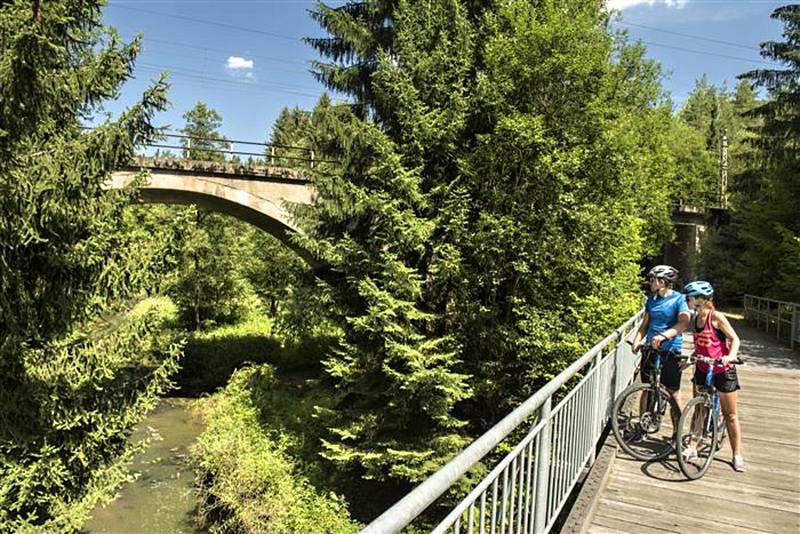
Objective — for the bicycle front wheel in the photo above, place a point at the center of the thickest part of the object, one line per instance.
(642, 421)
(697, 433)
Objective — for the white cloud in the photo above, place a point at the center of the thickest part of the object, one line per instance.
(237, 63)
(625, 4)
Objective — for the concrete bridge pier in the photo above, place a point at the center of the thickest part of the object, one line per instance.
(691, 224)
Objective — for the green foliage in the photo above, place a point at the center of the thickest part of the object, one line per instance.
(201, 126)
(291, 139)
(482, 227)
(708, 114)
(69, 389)
(211, 287)
(67, 413)
(249, 479)
(767, 226)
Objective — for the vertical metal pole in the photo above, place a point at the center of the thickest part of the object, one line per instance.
(542, 468)
(723, 171)
(272, 155)
(794, 326)
(595, 407)
(312, 159)
(778, 333)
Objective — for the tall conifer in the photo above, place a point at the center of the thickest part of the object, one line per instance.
(71, 386)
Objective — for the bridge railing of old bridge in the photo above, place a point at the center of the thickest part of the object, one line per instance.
(271, 153)
(774, 316)
(528, 488)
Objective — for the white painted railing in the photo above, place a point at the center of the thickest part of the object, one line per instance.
(528, 488)
(774, 315)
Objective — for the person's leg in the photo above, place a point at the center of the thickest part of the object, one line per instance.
(727, 384)
(671, 379)
(728, 402)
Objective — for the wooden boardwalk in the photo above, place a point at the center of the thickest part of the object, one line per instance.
(656, 497)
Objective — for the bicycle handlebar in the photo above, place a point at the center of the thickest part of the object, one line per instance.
(692, 359)
(711, 361)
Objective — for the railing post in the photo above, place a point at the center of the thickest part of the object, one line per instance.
(542, 468)
(595, 405)
(312, 158)
(778, 323)
(794, 326)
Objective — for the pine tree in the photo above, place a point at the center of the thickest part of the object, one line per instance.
(359, 32)
(211, 286)
(770, 226)
(203, 141)
(71, 385)
(393, 371)
(290, 143)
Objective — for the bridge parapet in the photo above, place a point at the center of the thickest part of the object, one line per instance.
(219, 169)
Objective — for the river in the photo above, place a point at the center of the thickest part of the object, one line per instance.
(161, 499)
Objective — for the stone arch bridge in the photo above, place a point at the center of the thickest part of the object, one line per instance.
(258, 195)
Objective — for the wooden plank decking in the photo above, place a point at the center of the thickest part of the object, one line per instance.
(656, 497)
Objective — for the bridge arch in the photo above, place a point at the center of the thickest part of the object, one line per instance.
(256, 196)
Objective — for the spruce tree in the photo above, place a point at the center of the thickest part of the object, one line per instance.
(203, 141)
(769, 225)
(211, 285)
(71, 385)
(483, 223)
(291, 139)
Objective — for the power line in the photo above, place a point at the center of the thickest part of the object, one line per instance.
(230, 84)
(180, 70)
(687, 35)
(703, 52)
(224, 51)
(209, 22)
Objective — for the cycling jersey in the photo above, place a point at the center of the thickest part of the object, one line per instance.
(664, 312)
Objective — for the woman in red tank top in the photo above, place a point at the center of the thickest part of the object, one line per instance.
(715, 338)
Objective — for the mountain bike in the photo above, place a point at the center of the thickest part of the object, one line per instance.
(700, 425)
(638, 418)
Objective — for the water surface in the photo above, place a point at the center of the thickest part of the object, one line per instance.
(161, 499)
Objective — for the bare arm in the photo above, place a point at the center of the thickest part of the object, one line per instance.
(730, 333)
(639, 336)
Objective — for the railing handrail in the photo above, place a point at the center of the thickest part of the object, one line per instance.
(414, 503)
(756, 297)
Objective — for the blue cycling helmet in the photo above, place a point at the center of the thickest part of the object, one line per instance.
(699, 288)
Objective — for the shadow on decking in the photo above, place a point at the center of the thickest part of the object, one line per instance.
(761, 349)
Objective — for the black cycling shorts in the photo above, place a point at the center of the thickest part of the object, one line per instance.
(726, 382)
(670, 370)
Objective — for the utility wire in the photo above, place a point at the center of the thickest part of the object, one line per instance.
(230, 84)
(687, 35)
(181, 70)
(209, 22)
(703, 52)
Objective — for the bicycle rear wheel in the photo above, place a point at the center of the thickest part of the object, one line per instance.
(642, 421)
(697, 433)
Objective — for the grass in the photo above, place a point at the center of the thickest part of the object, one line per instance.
(250, 477)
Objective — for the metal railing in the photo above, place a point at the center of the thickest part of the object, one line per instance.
(528, 488)
(774, 315)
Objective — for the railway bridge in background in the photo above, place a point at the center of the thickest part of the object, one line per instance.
(257, 194)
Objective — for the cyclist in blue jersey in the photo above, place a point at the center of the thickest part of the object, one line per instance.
(666, 316)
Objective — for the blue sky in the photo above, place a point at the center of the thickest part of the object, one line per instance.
(245, 58)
